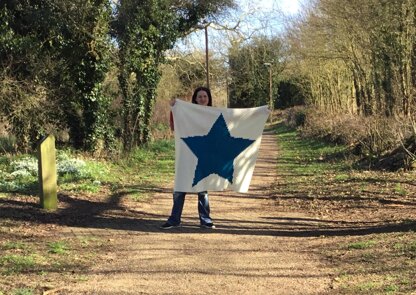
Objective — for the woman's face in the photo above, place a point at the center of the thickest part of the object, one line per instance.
(202, 98)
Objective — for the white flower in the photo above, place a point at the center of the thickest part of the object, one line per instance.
(71, 166)
(25, 165)
(21, 173)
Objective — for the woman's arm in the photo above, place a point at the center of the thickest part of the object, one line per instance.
(171, 123)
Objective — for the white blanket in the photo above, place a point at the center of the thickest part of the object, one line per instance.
(216, 148)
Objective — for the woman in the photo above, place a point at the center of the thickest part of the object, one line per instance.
(201, 96)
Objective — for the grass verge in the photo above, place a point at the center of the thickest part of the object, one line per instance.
(37, 253)
(146, 167)
(365, 219)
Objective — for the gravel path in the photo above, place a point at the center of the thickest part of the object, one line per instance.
(255, 249)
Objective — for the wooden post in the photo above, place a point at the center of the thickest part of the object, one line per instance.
(47, 173)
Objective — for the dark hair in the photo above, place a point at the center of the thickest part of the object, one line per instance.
(202, 89)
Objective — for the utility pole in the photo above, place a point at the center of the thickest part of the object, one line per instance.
(205, 26)
(206, 52)
(270, 68)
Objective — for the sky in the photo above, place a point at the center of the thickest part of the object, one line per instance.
(268, 14)
(264, 17)
(289, 7)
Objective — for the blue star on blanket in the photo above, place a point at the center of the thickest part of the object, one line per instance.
(216, 151)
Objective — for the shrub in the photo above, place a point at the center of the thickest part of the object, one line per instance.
(295, 117)
(373, 137)
(7, 144)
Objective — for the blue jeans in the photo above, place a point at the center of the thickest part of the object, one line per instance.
(178, 202)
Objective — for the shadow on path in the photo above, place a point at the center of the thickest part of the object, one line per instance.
(111, 215)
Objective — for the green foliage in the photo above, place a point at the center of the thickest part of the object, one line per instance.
(295, 117)
(162, 147)
(88, 114)
(391, 289)
(25, 58)
(19, 174)
(250, 77)
(78, 174)
(408, 249)
(292, 92)
(400, 190)
(55, 56)
(146, 166)
(144, 31)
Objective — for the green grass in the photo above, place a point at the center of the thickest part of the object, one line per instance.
(23, 291)
(15, 245)
(391, 289)
(342, 177)
(383, 264)
(361, 245)
(408, 249)
(367, 286)
(59, 247)
(15, 263)
(26, 266)
(309, 161)
(145, 170)
(86, 241)
(400, 190)
(307, 156)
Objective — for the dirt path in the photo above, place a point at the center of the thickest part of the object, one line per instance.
(254, 250)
